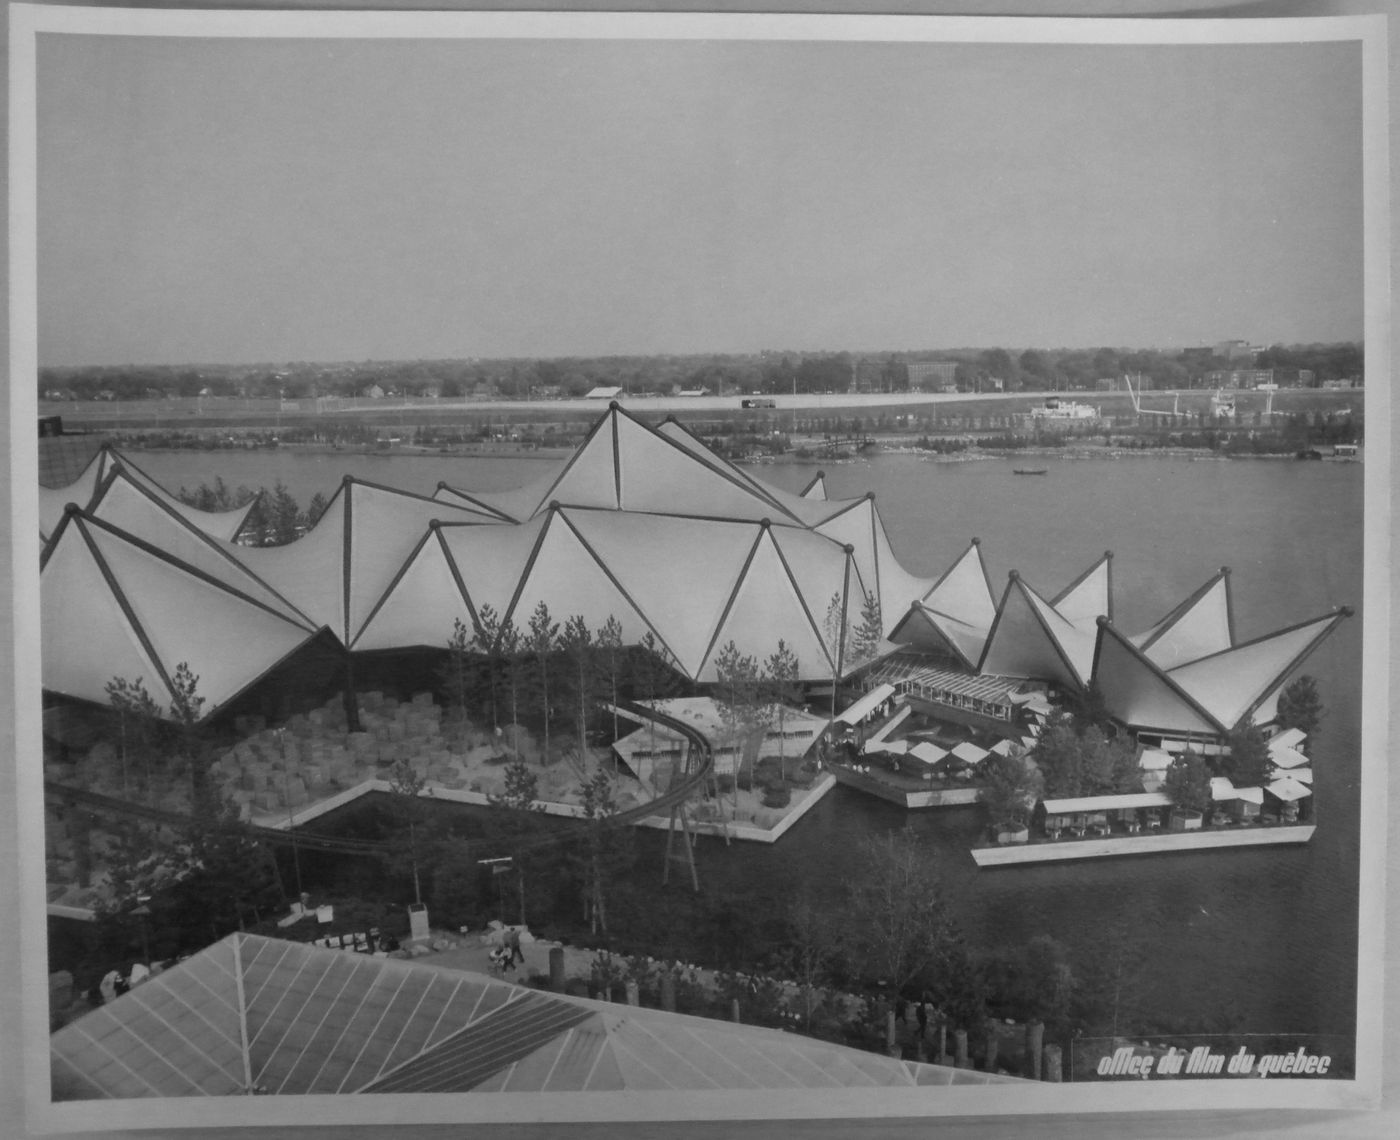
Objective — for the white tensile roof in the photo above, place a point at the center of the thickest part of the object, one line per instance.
(1089, 597)
(1289, 789)
(651, 527)
(114, 607)
(1222, 789)
(970, 753)
(1287, 758)
(1288, 738)
(928, 752)
(1201, 625)
(965, 591)
(1030, 639)
(108, 461)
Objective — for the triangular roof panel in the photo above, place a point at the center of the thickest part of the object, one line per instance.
(422, 604)
(131, 507)
(79, 608)
(767, 606)
(680, 572)
(1089, 597)
(490, 560)
(926, 628)
(964, 591)
(309, 572)
(1233, 684)
(223, 525)
(570, 579)
(239, 641)
(1198, 627)
(1139, 693)
(1029, 639)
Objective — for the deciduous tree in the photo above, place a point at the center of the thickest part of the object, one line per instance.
(898, 924)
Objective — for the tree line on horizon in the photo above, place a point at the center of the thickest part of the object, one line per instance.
(1030, 369)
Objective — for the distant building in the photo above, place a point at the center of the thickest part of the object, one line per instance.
(1238, 350)
(1239, 377)
(933, 375)
(605, 393)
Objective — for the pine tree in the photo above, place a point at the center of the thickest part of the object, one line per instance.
(541, 642)
(406, 784)
(577, 644)
(1247, 764)
(609, 642)
(454, 672)
(1300, 706)
(607, 848)
(186, 707)
(509, 653)
(865, 641)
(738, 698)
(138, 718)
(835, 634)
(780, 672)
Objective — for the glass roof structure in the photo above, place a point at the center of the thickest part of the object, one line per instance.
(259, 1015)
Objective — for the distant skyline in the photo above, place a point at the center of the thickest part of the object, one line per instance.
(249, 201)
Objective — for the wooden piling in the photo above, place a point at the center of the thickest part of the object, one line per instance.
(960, 1048)
(1054, 1070)
(668, 991)
(556, 969)
(1035, 1036)
(992, 1041)
(634, 996)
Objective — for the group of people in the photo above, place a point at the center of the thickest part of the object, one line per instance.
(924, 1010)
(114, 983)
(505, 956)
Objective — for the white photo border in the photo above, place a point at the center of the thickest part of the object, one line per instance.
(28, 21)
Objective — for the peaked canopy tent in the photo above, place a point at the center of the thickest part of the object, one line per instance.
(1210, 696)
(1030, 638)
(628, 467)
(750, 583)
(84, 490)
(339, 570)
(1202, 624)
(114, 605)
(254, 1014)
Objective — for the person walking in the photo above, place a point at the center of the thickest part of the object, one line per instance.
(921, 1015)
(513, 945)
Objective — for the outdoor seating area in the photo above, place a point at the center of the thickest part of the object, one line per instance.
(1100, 817)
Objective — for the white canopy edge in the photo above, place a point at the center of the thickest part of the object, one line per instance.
(1105, 803)
(873, 699)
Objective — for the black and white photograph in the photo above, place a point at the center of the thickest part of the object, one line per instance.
(599, 567)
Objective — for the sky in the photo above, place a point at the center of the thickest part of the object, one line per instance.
(238, 201)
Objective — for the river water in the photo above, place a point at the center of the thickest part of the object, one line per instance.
(1264, 939)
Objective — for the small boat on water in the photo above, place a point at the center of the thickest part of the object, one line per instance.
(1029, 471)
